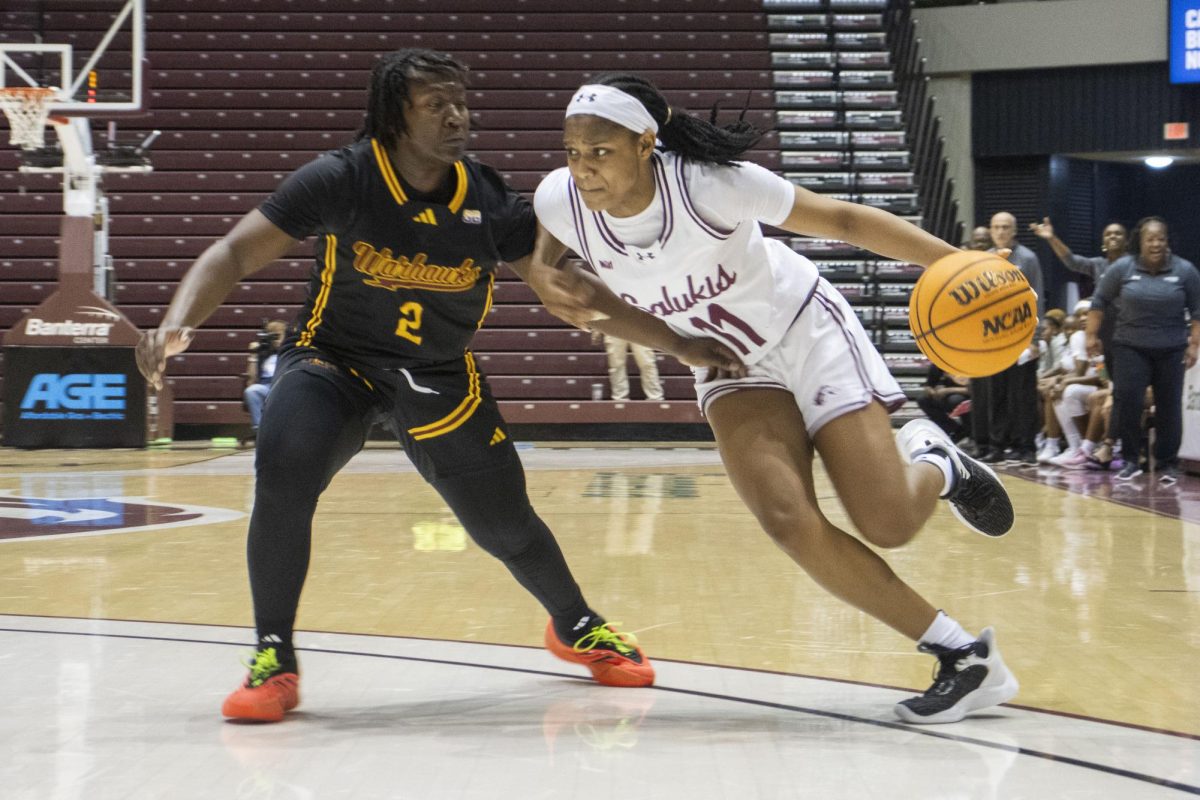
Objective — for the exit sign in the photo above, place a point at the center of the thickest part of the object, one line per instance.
(1176, 131)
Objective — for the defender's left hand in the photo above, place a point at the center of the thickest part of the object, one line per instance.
(566, 295)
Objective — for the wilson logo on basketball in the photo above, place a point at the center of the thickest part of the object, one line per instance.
(972, 313)
(1007, 321)
(983, 283)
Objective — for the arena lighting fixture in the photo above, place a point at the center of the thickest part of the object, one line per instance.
(1159, 162)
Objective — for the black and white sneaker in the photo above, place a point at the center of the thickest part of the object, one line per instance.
(967, 679)
(977, 497)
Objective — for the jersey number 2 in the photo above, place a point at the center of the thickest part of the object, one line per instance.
(410, 322)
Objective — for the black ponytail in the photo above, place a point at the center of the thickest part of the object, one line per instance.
(388, 93)
(691, 138)
(1135, 237)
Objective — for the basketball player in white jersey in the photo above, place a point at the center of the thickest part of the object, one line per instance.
(674, 232)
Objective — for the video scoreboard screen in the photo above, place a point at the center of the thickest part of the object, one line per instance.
(1184, 41)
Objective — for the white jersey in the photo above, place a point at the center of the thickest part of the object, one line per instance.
(696, 257)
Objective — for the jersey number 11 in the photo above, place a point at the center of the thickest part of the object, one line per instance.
(718, 316)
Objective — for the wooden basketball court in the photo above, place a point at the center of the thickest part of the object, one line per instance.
(125, 608)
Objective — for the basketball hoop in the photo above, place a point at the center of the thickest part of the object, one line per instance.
(27, 108)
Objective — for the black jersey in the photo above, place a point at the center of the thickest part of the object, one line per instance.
(397, 280)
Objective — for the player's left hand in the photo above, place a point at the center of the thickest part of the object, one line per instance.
(721, 361)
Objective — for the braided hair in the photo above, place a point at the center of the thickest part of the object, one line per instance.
(1135, 237)
(690, 137)
(389, 89)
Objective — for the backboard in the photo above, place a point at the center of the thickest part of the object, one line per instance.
(94, 57)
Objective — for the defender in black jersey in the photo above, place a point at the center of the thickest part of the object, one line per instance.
(408, 238)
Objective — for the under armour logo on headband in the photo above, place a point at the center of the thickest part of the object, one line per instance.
(614, 105)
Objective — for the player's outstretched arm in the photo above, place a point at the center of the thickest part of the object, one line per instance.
(1045, 230)
(869, 228)
(252, 244)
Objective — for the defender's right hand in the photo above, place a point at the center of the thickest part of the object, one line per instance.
(156, 346)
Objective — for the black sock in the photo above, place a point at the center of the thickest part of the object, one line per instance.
(284, 650)
(571, 628)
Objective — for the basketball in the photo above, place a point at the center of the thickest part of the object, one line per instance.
(972, 313)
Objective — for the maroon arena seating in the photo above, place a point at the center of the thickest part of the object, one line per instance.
(244, 91)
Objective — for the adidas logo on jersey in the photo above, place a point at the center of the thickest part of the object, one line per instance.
(426, 216)
(497, 437)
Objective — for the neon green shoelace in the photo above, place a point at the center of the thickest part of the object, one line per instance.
(264, 664)
(620, 641)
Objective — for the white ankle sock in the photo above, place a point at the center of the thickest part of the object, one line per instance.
(945, 631)
(943, 463)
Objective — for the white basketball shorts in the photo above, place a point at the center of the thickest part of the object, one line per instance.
(825, 360)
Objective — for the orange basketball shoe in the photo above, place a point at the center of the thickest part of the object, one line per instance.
(268, 693)
(612, 655)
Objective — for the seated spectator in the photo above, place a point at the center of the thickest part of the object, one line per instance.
(941, 395)
(1104, 456)
(260, 369)
(1052, 344)
(1070, 349)
(1052, 352)
(1069, 395)
(1074, 413)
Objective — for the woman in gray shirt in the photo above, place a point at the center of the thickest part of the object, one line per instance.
(1157, 338)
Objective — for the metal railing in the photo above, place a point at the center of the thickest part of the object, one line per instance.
(927, 145)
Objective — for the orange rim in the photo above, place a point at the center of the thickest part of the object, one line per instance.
(25, 92)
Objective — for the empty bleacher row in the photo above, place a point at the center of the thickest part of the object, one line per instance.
(844, 132)
(245, 95)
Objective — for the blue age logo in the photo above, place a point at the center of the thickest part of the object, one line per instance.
(76, 392)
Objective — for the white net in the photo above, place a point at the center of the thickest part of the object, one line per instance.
(27, 108)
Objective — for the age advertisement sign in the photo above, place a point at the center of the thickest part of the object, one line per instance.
(73, 397)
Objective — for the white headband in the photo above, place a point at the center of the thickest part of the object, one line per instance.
(613, 105)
